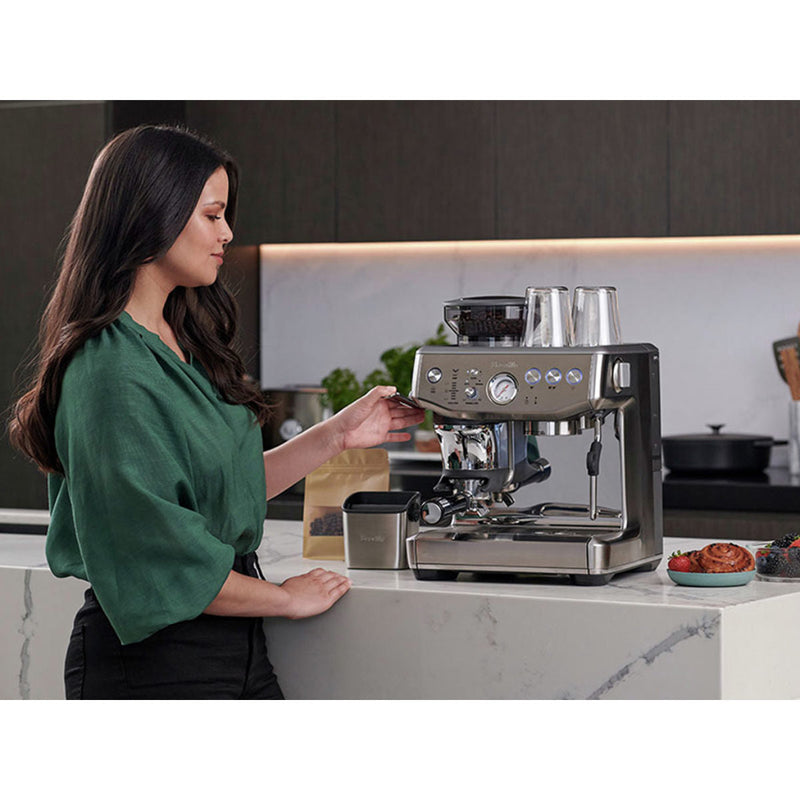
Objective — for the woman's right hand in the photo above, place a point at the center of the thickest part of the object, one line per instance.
(314, 592)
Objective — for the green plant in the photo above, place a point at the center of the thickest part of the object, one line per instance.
(342, 386)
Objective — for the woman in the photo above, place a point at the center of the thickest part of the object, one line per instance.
(142, 417)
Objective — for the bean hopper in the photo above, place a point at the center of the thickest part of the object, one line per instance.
(492, 397)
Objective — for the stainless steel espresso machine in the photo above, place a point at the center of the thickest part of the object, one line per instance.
(516, 374)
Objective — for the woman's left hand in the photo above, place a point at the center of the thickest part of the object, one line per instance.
(374, 419)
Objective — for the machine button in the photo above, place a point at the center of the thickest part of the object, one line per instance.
(533, 376)
(574, 376)
(434, 375)
(470, 392)
(553, 376)
(473, 373)
(502, 388)
(621, 375)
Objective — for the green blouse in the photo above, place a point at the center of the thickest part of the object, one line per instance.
(164, 481)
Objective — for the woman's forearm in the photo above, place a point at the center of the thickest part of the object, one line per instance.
(243, 596)
(298, 597)
(290, 462)
(369, 421)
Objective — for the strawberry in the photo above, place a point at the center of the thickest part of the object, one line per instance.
(679, 562)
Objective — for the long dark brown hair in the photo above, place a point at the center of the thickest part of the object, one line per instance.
(142, 189)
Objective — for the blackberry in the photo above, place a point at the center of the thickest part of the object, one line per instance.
(785, 541)
(793, 561)
(774, 563)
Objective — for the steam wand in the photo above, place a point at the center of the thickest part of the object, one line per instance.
(593, 465)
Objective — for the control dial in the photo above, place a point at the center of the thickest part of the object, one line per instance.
(502, 388)
(574, 376)
(533, 376)
(553, 376)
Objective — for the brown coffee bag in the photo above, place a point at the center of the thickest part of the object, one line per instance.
(327, 487)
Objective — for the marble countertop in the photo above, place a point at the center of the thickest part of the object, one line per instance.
(279, 555)
(484, 637)
(639, 637)
(283, 541)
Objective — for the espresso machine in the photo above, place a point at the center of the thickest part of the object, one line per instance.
(517, 374)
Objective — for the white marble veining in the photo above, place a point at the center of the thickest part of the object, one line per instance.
(36, 612)
(391, 636)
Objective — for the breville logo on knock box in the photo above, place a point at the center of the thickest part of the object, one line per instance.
(372, 539)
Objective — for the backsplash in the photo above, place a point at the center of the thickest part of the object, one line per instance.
(712, 306)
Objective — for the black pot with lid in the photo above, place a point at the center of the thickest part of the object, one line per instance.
(718, 452)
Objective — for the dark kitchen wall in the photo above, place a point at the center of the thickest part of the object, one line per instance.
(407, 170)
(287, 155)
(436, 170)
(46, 150)
(323, 171)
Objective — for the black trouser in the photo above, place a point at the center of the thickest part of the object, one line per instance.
(206, 658)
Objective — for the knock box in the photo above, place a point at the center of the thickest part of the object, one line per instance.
(376, 526)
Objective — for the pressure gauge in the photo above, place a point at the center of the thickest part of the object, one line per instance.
(502, 388)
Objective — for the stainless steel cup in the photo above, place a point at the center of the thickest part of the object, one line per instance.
(548, 321)
(595, 316)
(376, 526)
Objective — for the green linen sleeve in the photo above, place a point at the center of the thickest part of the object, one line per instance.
(146, 547)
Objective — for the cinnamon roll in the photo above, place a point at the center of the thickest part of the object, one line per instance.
(725, 557)
(693, 556)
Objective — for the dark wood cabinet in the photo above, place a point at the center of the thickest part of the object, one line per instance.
(415, 170)
(734, 168)
(568, 169)
(357, 171)
(286, 152)
(46, 151)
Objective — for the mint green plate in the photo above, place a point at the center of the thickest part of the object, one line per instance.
(711, 578)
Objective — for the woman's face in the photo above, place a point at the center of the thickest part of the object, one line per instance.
(196, 255)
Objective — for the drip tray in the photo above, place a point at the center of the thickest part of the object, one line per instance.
(516, 534)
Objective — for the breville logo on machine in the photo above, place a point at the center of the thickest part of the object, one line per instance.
(372, 539)
(505, 364)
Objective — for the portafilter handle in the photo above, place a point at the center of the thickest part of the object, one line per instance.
(440, 510)
(533, 472)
